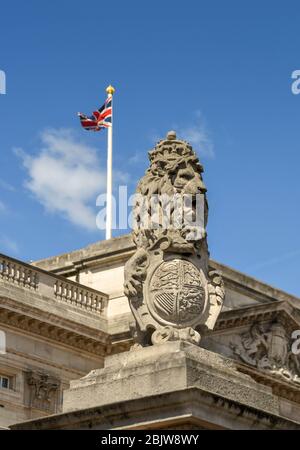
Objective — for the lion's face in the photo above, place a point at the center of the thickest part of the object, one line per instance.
(182, 178)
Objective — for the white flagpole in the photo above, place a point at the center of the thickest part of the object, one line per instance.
(110, 91)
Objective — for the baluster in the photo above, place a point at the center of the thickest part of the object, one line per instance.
(10, 271)
(90, 299)
(23, 275)
(18, 274)
(94, 302)
(67, 292)
(36, 280)
(28, 279)
(79, 300)
(55, 288)
(71, 293)
(60, 290)
(7, 269)
(29, 273)
(76, 295)
(4, 268)
(84, 300)
(64, 291)
(99, 303)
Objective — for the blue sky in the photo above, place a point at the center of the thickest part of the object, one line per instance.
(218, 72)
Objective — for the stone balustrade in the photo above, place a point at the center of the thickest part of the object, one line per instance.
(18, 273)
(78, 295)
(50, 285)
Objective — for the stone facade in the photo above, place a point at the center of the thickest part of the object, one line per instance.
(130, 363)
(173, 385)
(53, 349)
(54, 331)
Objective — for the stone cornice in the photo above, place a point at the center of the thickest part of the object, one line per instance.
(115, 248)
(40, 308)
(245, 284)
(179, 407)
(281, 310)
(279, 386)
(55, 329)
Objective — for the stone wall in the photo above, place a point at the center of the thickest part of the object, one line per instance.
(39, 371)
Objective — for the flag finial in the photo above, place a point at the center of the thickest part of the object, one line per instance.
(110, 89)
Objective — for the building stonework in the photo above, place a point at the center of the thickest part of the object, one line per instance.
(211, 348)
(54, 332)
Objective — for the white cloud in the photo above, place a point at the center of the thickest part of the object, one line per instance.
(66, 176)
(198, 136)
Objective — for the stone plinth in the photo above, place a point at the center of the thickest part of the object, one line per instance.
(170, 385)
(165, 368)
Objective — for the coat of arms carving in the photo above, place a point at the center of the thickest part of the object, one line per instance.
(171, 290)
(177, 293)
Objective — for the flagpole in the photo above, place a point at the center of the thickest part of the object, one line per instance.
(110, 91)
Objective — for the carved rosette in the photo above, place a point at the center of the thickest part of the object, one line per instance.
(171, 292)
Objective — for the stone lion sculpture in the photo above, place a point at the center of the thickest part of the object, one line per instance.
(171, 291)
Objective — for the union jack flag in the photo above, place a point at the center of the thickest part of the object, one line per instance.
(99, 119)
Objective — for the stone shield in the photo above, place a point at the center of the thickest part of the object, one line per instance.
(177, 293)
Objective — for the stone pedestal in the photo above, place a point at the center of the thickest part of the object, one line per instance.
(168, 386)
(165, 368)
